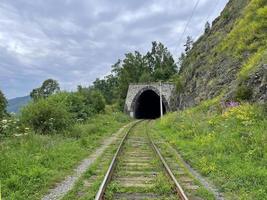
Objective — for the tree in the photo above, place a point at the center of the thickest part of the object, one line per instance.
(160, 62)
(157, 64)
(3, 104)
(48, 88)
(181, 60)
(207, 27)
(189, 43)
(107, 86)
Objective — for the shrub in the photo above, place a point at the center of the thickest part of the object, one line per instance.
(11, 126)
(243, 93)
(76, 106)
(46, 116)
(95, 100)
(3, 104)
(264, 106)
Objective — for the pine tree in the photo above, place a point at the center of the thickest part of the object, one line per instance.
(207, 27)
(189, 43)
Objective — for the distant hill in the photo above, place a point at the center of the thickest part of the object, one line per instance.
(14, 105)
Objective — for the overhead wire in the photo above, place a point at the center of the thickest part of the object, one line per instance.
(191, 16)
(187, 23)
(212, 10)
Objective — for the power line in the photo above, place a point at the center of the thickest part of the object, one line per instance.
(213, 9)
(188, 22)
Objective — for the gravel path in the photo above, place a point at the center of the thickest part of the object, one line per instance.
(66, 185)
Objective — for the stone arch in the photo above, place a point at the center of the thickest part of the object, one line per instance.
(142, 91)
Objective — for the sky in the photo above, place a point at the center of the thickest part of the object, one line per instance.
(77, 41)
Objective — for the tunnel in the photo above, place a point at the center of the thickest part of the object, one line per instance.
(147, 105)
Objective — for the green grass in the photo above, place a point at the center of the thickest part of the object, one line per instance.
(248, 39)
(227, 146)
(97, 170)
(32, 164)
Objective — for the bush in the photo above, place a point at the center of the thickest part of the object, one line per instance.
(95, 100)
(264, 107)
(46, 116)
(11, 126)
(243, 93)
(76, 106)
(3, 104)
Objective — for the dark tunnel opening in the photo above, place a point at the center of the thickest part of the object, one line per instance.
(147, 106)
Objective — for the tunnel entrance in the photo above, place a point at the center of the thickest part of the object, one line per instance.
(147, 106)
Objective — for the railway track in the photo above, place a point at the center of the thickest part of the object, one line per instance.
(139, 171)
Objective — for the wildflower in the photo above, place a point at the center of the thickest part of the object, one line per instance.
(27, 128)
(4, 121)
(232, 104)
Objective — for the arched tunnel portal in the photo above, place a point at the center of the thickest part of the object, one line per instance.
(143, 100)
(147, 105)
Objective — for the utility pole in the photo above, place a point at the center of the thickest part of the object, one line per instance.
(160, 97)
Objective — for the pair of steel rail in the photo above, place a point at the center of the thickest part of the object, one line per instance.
(101, 192)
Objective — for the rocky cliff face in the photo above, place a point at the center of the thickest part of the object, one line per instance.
(229, 60)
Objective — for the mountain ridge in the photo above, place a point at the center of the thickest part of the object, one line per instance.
(15, 104)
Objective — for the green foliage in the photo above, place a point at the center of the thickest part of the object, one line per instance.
(228, 147)
(59, 111)
(243, 93)
(252, 64)
(264, 107)
(226, 15)
(189, 43)
(157, 64)
(248, 39)
(234, 49)
(46, 116)
(95, 100)
(33, 163)
(106, 86)
(11, 126)
(3, 105)
(179, 83)
(75, 103)
(48, 88)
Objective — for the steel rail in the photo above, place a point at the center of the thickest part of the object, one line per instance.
(178, 187)
(108, 175)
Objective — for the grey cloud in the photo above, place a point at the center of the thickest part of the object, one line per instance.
(76, 41)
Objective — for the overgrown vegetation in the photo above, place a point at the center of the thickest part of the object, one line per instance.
(228, 55)
(248, 39)
(50, 135)
(32, 163)
(243, 92)
(224, 142)
(3, 104)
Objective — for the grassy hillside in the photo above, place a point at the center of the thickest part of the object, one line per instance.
(31, 163)
(231, 58)
(226, 144)
(14, 105)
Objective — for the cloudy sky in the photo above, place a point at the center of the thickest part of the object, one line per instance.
(76, 41)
